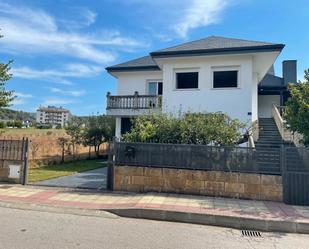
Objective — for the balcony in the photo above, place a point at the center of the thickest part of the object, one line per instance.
(130, 105)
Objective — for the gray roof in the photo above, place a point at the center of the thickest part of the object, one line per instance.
(271, 81)
(143, 63)
(215, 42)
(209, 45)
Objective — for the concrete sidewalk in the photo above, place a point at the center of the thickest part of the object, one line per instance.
(242, 214)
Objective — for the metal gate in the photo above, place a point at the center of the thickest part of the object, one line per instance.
(14, 160)
(295, 175)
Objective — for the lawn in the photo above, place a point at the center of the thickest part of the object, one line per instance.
(64, 169)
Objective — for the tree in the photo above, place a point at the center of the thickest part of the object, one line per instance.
(98, 129)
(63, 142)
(297, 108)
(6, 97)
(75, 131)
(189, 128)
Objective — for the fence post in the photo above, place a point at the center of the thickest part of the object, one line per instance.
(108, 100)
(135, 101)
(110, 167)
(282, 159)
(25, 160)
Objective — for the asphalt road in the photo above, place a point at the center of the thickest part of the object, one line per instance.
(93, 179)
(21, 229)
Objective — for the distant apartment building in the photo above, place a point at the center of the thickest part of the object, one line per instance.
(52, 115)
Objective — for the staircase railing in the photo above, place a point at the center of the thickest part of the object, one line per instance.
(285, 133)
(251, 142)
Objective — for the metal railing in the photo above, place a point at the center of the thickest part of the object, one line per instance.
(286, 134)
(187, 156)
(135, 101)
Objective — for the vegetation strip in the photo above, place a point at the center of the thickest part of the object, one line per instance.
(64, 169)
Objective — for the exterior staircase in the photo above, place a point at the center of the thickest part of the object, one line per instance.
(268, 146)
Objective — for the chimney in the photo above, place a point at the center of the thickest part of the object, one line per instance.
(289, 71)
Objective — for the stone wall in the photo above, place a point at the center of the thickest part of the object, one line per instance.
(211, 183)
(5, 171)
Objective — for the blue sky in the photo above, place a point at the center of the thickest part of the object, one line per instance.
(60, 48)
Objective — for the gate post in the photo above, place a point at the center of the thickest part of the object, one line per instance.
(110, 167)
(25, 160)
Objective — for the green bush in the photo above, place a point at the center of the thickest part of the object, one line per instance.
(10, 124)
(297, 108)
(17, 124)
(190, 128)
(2, 124)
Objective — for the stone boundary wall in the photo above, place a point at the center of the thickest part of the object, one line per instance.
(5, 171)
(211, 183)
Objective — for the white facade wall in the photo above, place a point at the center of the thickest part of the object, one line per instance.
(236, 102)
(265, 105)
(130, 82)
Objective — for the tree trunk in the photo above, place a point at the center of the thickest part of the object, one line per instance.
(62, 156)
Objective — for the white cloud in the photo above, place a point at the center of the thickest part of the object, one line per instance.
(34, 31)
(74, 93)
(23, 95)
(17, 101)
(58, 76)
(200, 13)
(21, 98)
(56, 101)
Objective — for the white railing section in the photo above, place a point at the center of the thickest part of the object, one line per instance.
(285, 133)
(251, 142)
(135, 101)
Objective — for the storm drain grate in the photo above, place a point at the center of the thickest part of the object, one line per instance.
(250, 233)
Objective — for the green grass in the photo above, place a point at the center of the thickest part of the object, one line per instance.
(64, 169)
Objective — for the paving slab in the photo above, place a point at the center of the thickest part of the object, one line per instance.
(263, 216)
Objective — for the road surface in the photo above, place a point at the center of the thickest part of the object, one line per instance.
(21, 229)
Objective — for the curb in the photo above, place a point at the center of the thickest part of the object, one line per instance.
(59, 209)
(285, 226)
(215, 220)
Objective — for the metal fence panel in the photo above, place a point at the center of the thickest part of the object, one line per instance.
(296, 175)
(185, 156)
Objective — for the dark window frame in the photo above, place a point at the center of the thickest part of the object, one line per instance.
(226, 85)
(186, 88)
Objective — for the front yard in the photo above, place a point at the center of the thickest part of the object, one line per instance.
(64, 169)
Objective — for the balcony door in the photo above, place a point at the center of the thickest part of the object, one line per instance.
(155, 87)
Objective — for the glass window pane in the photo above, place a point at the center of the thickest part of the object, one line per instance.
(152, 88)
(187, 80)
(225, 79)
(160, 88)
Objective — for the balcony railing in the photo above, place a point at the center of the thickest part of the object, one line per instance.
(135, 101)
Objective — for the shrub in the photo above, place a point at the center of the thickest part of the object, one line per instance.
(2, 124)
(297, 108)
(17, 124)
(190, 128)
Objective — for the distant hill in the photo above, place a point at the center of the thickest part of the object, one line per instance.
(8, 114)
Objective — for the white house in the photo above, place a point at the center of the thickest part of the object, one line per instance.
(214, 74)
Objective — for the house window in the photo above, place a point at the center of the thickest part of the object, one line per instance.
(223, 79)
(187, 80)
(155, 88)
